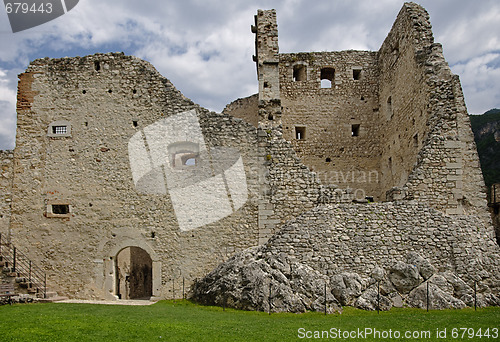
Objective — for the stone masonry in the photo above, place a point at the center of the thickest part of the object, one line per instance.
(113, 162)
(103, 100)
(6, 164)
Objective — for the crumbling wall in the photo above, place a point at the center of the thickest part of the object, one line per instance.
(246, 108)
(103, 101)
(390, 120)
(6, 166)
(369, 256)
(431, 150)
(404, 95)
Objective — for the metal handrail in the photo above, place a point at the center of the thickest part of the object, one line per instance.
(19, 263)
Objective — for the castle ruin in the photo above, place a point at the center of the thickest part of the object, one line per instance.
(121, 187)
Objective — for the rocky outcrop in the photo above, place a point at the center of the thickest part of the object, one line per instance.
(257, 279)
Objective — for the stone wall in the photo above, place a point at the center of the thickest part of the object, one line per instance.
(494, 208)
(430, 149)
(404, 95)
(358, 238)
(6, 165)
(246, 108)
(370, 256)
(104, 101)
(339, 124)
(372, 121)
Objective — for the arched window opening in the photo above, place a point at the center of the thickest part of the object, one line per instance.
(184, 154)
(327, 77)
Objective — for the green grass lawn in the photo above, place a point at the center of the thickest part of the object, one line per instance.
(184, 321)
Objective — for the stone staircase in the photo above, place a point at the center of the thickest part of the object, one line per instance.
(29, 281)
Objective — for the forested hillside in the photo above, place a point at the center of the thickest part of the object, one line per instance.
(486, 130)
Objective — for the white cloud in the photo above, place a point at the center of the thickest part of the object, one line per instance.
(8, 110)
(479, 77)
(212, 68)
(473, 33)
(205, 47)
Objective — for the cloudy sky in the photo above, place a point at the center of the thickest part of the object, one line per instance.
(205, 47)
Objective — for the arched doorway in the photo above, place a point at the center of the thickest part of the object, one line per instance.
(134, 274)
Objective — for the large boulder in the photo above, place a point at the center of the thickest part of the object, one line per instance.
(262, 279)
(346, 287)
(255, 280)
(431, 293)
(423, 266)
(378, 273)
(372, 298)
(404, 277)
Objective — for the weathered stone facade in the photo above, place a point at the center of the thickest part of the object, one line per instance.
(6, 164)
(366, 120)
(103, 100)
(362, 237)
(112, 161)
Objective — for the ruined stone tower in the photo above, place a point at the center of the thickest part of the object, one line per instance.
(115, 170)
(365, 120)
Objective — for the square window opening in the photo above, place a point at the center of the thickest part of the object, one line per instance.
(59, 129)
(300, 132)
(60, 209)
(299, 73)
(356, 74)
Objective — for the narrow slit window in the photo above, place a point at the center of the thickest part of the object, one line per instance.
(355, 130)
(390, 112)
(300, 133)
(415, 140)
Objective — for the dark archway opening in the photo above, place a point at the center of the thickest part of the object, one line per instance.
(134, 274)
